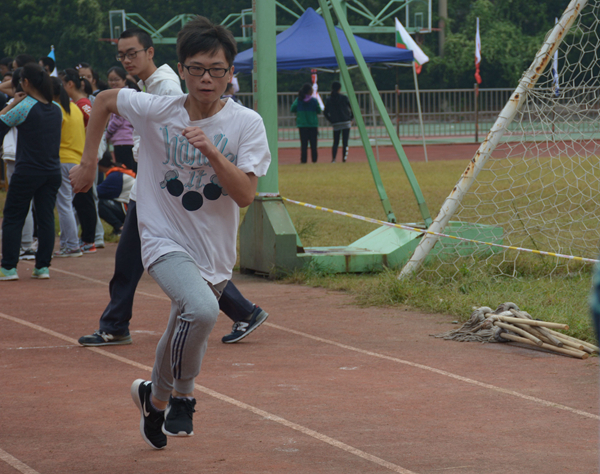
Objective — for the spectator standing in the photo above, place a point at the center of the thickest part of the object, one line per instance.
(48, 64)
(136, 53)
(92, 85)
(5, 66)
(9, 147)
(307, 109)
(37, 170)
(84, 204)
(72, 140)
(22, 59)
(338, 112)
(192, 271)
(18, 62)
(119, 131)
(86, 72)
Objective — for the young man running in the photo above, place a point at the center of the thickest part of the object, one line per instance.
(199, 161)
(135, 51)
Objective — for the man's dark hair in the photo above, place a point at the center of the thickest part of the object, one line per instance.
(335, 87)
(6, 62)
(48, 63)
(201, 36)
(143, 37)
(23, 59)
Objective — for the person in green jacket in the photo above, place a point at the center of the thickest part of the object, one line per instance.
(306, 109)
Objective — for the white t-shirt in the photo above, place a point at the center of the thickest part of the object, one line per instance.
(180, 205)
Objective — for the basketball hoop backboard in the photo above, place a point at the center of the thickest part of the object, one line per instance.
(418, 16)
(117, 23)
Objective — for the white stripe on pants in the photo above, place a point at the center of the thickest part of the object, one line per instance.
(194, 311)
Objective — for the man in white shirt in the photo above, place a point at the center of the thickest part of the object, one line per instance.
(136, 53)
(199, 161)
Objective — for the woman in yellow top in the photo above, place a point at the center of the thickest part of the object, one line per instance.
(72, 140)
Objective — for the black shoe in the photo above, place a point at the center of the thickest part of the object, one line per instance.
(179, 417)
(242, 328)
(152, 419)
(101, 338)
(27, 254)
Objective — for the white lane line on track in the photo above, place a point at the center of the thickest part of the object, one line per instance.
(545, 403)
(513, 393)
(219, 396)
(16, 464)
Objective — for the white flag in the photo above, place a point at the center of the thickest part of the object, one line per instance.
(405, 41)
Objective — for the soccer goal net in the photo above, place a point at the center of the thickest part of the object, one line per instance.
(537, 175)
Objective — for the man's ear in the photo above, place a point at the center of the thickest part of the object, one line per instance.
(180, 70)
(150, 52)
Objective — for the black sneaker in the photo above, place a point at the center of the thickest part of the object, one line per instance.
(242, 328)
(152, 419)
(101, 338)
(179, 417)
(27, 254)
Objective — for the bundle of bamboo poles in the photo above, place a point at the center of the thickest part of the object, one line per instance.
(519, 326)
(509, 324)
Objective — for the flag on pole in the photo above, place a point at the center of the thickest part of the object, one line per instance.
(555, 85)
(477, 54)
(315, 87)
(51, 55)
(405, 41)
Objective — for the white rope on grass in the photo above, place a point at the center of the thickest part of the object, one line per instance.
(424, 231)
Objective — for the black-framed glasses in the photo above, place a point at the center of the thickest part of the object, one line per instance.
(130, 56)
(216, 72)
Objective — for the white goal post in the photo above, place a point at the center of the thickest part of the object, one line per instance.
(536, 174)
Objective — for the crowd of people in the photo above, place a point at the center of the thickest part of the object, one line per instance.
(67, 97)
(75, 143)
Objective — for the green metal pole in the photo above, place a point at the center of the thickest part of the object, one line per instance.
(356, 111)
(264, 85)
(378, 102)
(268, 241)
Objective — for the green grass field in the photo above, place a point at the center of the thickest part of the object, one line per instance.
(349, 187)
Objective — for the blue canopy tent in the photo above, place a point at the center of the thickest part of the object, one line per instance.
(306, 45)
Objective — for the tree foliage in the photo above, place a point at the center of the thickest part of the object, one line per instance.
(511, 33)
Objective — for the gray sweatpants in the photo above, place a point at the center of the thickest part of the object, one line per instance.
(64, 205)
(194, 311)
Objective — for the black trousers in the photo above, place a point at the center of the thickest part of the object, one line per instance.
(308, 134)
(22, 189)
(112, 212)
(128, 271)
(336, 141)
(86, 212)
(124, 155)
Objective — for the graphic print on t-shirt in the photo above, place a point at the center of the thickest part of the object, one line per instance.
(188, 168)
